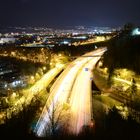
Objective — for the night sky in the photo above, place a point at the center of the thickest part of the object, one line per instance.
(61, 13)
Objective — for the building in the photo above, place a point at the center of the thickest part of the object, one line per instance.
(7, 40)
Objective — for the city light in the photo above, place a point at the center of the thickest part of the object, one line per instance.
(136, 32)
(69, 80)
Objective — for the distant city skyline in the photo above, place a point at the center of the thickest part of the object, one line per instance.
(64, 13)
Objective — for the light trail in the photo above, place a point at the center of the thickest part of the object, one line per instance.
(80, 100)
(62, 89)
(59, 94)
(34, 90)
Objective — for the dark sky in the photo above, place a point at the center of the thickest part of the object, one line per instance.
(60, 13)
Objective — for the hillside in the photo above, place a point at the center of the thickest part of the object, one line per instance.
(123, 52)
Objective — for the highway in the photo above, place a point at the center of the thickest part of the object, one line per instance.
(81, 101)
(34, 90)
(43, 82)
(68, 89)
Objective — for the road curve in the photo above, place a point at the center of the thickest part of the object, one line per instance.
(80, 100)
(62, 89)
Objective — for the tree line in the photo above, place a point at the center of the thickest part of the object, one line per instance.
(123, 51)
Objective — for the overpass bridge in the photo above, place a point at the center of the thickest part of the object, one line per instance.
(85, 56)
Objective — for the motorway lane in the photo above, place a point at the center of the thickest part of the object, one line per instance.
(61, 90)
(80, 100)
(59, 93)
(43, 82)
(34, 90)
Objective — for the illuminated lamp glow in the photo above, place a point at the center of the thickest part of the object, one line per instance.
(135, 32)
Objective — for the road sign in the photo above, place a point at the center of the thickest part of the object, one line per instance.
(86, 69)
